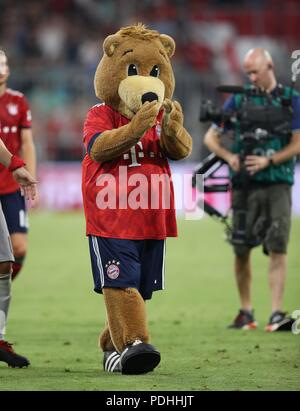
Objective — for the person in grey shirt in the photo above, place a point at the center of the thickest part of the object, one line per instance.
(28, 185)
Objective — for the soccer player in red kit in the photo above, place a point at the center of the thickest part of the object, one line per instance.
(15, 131)
(15, 166)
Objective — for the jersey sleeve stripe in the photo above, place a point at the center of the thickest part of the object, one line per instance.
(91, 142)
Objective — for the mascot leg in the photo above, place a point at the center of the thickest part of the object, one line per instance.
(127, 322)
(105, 342)
(111, 359)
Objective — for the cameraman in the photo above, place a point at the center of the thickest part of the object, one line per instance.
(270, 172)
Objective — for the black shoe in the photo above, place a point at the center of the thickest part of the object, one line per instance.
(279, 321)
(8, 355)
(111, 361)
(244, 321)
(139, 358)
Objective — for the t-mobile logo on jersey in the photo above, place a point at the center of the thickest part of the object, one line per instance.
(136, 152)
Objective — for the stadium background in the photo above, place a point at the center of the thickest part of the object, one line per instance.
(53, 48)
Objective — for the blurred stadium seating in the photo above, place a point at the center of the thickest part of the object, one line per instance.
(55, 45)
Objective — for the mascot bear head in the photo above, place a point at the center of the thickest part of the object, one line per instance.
(135, 68)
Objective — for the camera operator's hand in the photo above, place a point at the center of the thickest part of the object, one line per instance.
(256, 163)
(233, 161)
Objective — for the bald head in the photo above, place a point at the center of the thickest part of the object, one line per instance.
(258, 55)
(259, 67)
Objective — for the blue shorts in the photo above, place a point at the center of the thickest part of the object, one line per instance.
(14, 210)
(122, 263)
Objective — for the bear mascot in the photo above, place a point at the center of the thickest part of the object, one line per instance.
(127, 189)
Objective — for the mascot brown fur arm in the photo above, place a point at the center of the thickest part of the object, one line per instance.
(113, 143)
(175, 140)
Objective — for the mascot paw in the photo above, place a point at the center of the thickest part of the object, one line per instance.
(139, 358)
(173, 117)
(111, 361)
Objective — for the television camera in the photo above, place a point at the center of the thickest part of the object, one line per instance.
(256, 124)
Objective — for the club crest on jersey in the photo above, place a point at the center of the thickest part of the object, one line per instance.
(12, 109)
(158, 130)
(112, 269)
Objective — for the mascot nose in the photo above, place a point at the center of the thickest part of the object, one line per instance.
(149, 97)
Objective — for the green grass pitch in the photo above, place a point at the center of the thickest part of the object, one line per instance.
(55, 317)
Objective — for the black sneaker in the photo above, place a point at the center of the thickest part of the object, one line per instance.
(111, 361)
(12, 359)
(139, 358)
(244, 321)
(279, 321)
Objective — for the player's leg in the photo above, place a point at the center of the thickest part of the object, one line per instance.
(6, 259)
(20, 244)
(14, 209)
(7, 354)
(5, 294)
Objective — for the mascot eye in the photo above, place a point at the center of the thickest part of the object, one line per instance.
(132, 70)
(155, 71)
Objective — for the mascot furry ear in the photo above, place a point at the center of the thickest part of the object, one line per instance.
(111, 43)
(136, 128)
(168, 43)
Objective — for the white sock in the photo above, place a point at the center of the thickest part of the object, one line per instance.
(5, 296)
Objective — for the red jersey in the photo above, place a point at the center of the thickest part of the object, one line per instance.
(14, 115)
(136, 209)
